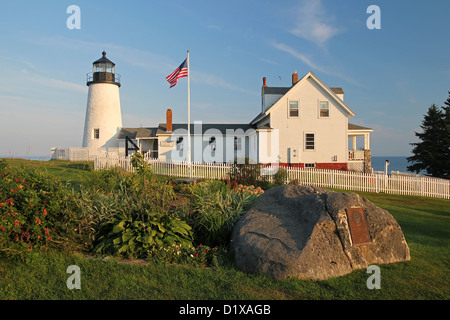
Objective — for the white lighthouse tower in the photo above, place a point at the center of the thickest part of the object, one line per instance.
(103, 114)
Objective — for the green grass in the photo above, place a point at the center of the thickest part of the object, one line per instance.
(67, 171)
(424, 221)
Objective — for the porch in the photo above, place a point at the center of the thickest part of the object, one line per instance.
(359, 159)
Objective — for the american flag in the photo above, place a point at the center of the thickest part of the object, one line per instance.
(180, 72)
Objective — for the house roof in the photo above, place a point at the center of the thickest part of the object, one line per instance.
(356, 127)
(337, 90)
(137, 133)
(258, 118)
(284, 90)
(275, 90)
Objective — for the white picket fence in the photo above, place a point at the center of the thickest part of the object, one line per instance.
(417, 185)
(172, 169)
(82, 154)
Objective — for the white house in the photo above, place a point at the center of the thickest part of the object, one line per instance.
(304, 125)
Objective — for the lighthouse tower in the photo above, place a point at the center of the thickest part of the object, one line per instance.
(103, 114)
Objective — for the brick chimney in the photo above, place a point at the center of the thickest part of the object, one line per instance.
(294, 77)
(169, 120)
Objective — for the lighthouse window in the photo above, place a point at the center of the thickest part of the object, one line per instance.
(237, 144)
(180, 144)
(212, 143)
(96, 133)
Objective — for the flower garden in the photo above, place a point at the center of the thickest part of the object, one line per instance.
(121, 214)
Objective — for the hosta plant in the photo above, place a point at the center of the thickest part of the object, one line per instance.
(135, 238)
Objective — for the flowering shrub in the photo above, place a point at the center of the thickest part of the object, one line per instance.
(36, 210)
(251, 190)
(198, 256)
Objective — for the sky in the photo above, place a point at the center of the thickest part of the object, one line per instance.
(390, 76)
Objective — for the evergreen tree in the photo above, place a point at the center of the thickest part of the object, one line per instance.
(446, 110)
(432, 153)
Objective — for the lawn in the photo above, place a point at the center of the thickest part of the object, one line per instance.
(425, 222)
(68, 172)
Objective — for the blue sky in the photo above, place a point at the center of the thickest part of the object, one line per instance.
(390, 76)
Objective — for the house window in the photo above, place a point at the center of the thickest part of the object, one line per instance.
(310, 141)
(212, 143)
(237, 144)
(293, 109)
(310, 165)
(180, 144)
(324, 109)
(96, 133)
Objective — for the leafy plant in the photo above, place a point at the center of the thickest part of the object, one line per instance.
(280, 177)
(107, 181)
(198, 256)
(215, 208)
(135, 238)
(138, 162)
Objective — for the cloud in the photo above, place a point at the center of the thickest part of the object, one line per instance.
(315, 67)
(269, 61)
(313, 24)
(215, 81)
(298, 55)
(54, 83)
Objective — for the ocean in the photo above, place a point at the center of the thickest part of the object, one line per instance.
(395, 164)
(41, 158)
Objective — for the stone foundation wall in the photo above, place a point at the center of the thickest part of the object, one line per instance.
(367, 161)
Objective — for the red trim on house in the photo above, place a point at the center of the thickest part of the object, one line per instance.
(332, 165)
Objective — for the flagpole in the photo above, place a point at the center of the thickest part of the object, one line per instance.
(189, 117)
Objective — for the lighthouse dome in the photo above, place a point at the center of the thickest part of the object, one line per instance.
(103, 71)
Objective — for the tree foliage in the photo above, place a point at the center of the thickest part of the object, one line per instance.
(432, 153)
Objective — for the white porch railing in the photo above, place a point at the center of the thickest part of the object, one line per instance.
(356, 155)
(415, 185)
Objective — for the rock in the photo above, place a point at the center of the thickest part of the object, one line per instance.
(304, 233)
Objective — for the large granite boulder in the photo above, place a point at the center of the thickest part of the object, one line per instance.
(312, 233)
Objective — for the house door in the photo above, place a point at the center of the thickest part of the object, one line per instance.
(292, 155)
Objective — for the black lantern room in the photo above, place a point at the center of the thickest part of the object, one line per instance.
(103, 71)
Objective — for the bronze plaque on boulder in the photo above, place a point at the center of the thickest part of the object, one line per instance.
(358, 226)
